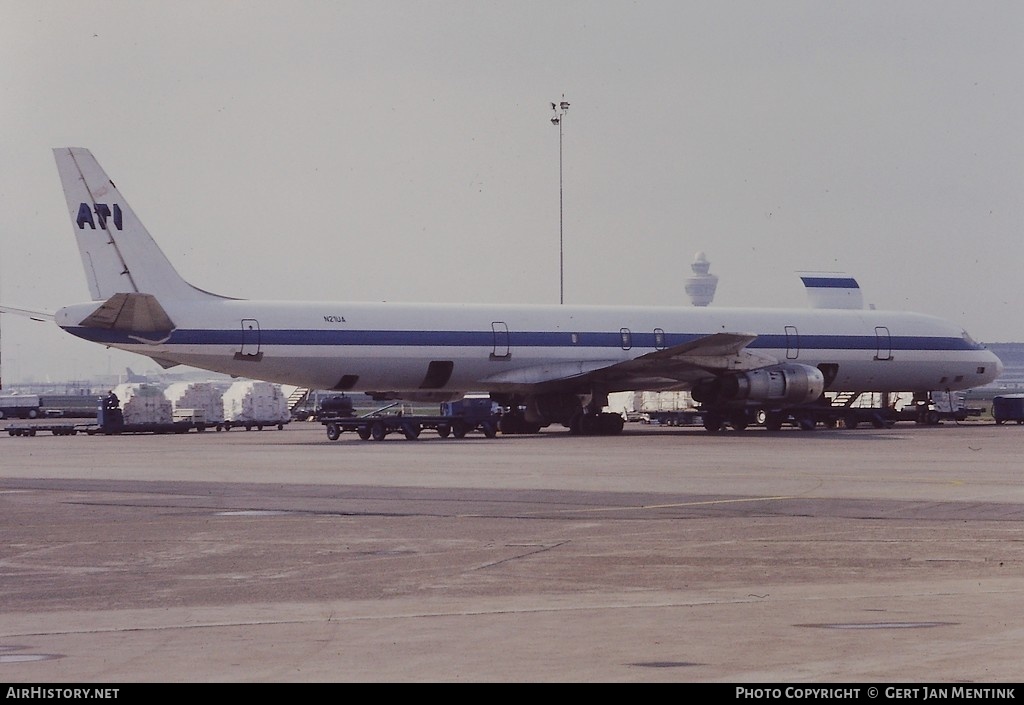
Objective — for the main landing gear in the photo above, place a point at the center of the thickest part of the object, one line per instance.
(716, 420)
(596, 424)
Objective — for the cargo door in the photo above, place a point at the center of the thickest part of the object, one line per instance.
(501, 349)
(883, 343)
(250, 347)
(792, 343)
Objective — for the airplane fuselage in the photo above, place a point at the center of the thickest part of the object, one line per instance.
(544, 364)
(505, 348)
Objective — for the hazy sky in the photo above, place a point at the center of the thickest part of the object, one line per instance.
(404, 151)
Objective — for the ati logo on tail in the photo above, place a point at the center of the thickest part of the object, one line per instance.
(102, 211)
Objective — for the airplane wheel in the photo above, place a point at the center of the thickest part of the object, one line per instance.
(773, 421)
(611, 424)
(713, 423)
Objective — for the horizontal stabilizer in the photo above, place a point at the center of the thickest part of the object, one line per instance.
(42, 316)
(133, 313)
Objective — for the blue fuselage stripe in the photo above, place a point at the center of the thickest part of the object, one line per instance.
(514, 339)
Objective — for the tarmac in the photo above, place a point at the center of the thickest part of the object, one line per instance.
(660, 555)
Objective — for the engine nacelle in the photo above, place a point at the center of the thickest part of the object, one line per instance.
(781, 384)
(547, 409)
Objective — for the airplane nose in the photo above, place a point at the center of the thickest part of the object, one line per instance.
(999, 366)
(991, 368)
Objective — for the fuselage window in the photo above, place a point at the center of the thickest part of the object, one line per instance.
(627, 338)
(575, 338)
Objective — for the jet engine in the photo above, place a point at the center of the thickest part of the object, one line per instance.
(782, 384)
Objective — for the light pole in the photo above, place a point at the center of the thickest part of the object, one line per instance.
(560, 110)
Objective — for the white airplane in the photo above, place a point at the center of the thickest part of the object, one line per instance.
(549, 364)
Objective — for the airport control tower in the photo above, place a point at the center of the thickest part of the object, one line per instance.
(701, 286)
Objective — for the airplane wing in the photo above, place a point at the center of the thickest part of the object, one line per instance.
(42, 316)
(677, 366)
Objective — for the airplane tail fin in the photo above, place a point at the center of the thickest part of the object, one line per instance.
(832, 290)
(118, 253)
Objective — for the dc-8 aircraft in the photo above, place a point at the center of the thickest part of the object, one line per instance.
(547, 364)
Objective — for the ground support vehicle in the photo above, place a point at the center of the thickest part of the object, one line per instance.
(250, 425)
(110, 421)
(1008, 407)
(455, 419)
(106, 430)
(33, 429)
(848, 410)
(116, 430)
(19, 406)
(688, 417)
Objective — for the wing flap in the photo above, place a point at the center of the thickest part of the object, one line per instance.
(545, 374)
(718, 352)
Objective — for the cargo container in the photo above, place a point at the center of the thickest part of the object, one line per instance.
(251, 404)
(202, 401)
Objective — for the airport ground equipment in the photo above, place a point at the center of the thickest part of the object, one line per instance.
(20, 406)
(201, 402)
(850, 410)
(253, 404)
(110, 420)
(455, 418)
(1008, 407)
(673, 417)
(64, 429)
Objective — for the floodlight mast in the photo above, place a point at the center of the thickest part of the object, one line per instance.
(560, 110)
